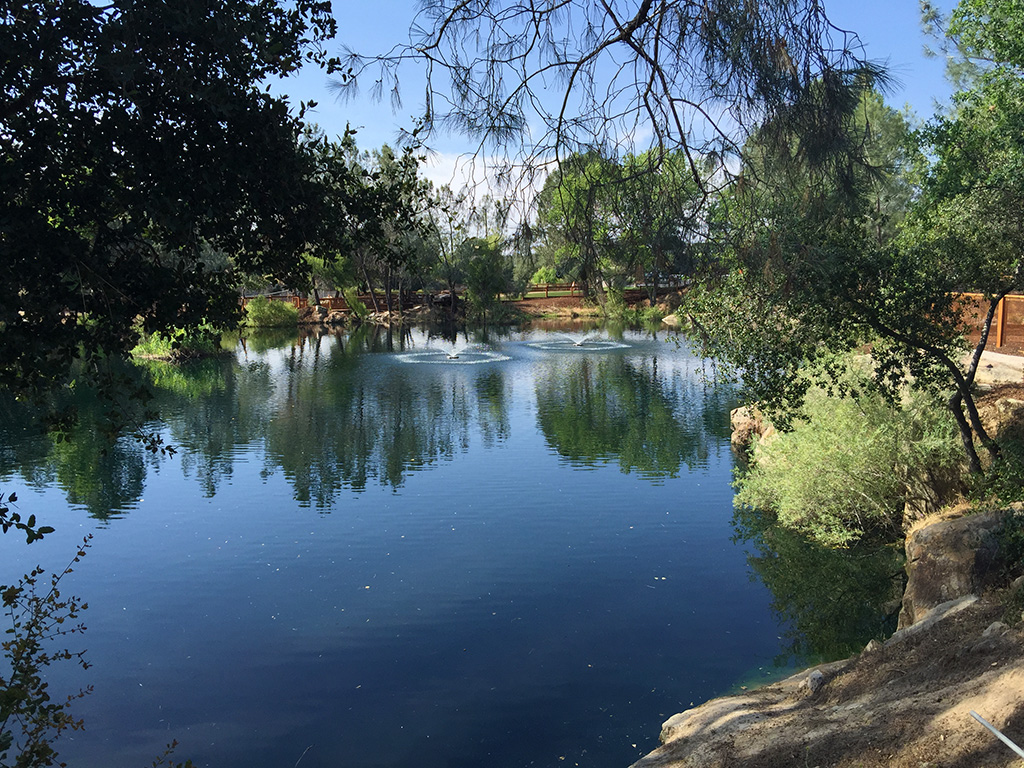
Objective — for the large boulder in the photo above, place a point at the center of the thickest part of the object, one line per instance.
(748, 424)
(315, 313)
(336, 317)
(950, 559)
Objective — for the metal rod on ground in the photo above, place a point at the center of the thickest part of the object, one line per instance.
(999, 736)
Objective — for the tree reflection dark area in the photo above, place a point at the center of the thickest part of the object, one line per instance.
(605, 409)
(834, 600)
(335, 411)
(319, 406)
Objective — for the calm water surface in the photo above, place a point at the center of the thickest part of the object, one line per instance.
(366, 554)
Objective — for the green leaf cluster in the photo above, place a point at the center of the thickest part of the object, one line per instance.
(261, 312)
(843, 470)
(12, 519)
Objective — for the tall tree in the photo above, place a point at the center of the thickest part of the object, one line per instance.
(347, 210)
(141, 161)
(658, 205)
(816, 266)
(574, 212)
(392, 239)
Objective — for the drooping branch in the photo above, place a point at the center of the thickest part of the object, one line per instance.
(541, 80)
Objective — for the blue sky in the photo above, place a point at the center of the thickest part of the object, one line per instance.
(890, 30)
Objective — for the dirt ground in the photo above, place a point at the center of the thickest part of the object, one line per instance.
(573, 306)
(905, 704)
(561, 306)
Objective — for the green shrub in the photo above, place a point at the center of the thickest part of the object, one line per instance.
(487, 274)
(615, 308)
(1003, 482)
(839, 473)
(1011, 551)
(1011, 543)
(615, 305)
(261, 312)
(543, 276)
(355, 304)
(179, 344)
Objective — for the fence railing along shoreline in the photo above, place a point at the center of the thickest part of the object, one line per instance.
(1007, 333)
(412, 298)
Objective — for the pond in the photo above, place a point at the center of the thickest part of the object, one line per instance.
(392, 549)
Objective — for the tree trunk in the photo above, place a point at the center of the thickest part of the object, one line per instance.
(955, 404)
(387, 290)
(967, 390)
(369, 287)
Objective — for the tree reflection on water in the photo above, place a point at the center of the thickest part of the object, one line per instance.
(337, 412)
(834, 600)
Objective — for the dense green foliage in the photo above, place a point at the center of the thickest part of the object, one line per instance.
(842, 471)
(261, 312)
(606, 224)
(142, 160)
(799, 272)
(990, 30)
(544, 275)
(179, 343)
(488, 274)
(829, 250)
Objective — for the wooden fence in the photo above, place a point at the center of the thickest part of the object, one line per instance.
(338, 303)
(1007, 333)
(561, 289)
(574, 290)
(412, 298)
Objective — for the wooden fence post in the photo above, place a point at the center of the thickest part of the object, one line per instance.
(1000, 321)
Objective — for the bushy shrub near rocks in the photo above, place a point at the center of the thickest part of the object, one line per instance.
(261, 312)
(848, 465)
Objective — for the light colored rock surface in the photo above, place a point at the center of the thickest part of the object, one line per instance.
(999, 368)
(748, 424)
(905, 704)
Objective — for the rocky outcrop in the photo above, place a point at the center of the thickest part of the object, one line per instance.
(748, 424)
(950, 559)
(315, 313)
(899, 704)
(318, 314)
(672, 321)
